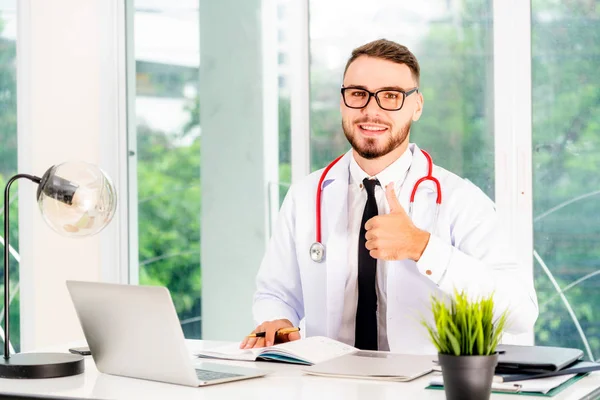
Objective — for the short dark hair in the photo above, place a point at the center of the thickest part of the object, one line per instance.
(387, 50)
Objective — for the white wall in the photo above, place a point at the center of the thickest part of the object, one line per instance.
(70, 107)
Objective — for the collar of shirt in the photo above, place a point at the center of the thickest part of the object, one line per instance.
(394, 173)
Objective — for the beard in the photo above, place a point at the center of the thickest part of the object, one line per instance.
(369, 149)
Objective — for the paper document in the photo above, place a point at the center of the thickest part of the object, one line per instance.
(309, 351)
(375, 365)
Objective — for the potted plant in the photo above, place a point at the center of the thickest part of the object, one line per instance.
(466, 335)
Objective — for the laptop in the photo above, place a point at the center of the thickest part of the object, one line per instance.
(134, 331)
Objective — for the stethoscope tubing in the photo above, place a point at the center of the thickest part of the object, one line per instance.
(317, 249)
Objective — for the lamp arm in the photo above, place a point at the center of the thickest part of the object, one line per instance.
(6, 256)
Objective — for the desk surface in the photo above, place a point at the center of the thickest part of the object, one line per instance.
(284, 381)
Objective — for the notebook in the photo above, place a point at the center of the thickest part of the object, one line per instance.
(309, 351)
(375, 365)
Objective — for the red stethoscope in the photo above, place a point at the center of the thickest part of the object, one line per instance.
(317, 249)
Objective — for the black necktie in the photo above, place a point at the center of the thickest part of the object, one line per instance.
(366, 311)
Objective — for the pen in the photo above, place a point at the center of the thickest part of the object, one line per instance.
(283, 331)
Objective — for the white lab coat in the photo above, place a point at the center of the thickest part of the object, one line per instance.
(466, 251)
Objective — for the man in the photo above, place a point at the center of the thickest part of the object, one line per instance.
(381, 267)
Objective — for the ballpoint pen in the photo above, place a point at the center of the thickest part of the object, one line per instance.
(283, 331)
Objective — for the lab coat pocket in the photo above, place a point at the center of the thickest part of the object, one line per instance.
(408, 303)
(313, 276)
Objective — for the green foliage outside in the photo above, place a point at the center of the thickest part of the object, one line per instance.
(8, 168)
(15, 310)
(566, 148)
(465, 327)
(169, 220)
(8, 106)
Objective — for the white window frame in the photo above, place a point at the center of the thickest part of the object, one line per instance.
(300, 89)
(130, 223)
(513, 128)
(512, 122)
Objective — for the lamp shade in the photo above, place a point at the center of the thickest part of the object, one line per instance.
(76, 198)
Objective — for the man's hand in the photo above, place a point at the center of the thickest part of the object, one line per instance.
(394, 236)
(270, 327)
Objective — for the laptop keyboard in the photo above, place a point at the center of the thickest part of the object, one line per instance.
(208, 375)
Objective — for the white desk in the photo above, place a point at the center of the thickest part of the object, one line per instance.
(285, 381)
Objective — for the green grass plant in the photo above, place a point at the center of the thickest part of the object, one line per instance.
(465, 328)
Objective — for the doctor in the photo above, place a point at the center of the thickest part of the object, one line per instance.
(369, 284)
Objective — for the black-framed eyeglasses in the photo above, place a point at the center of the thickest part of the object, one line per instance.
(387, 99)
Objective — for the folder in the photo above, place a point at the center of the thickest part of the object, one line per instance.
(514, 359)
(375, 365)
(580, 367)
(546, 387)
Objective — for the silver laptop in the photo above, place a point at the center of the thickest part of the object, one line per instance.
(134, 331)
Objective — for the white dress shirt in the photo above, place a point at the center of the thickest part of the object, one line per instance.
(357, 199)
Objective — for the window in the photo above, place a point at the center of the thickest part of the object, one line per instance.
(566, 148)
(190, 176)
(453, 43)
(8, 152)
(166, 46)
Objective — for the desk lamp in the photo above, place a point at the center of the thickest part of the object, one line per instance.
(76, 199)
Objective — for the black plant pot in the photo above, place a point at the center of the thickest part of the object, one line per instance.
(468, 377)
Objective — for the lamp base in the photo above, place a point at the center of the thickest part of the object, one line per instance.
(41, 365)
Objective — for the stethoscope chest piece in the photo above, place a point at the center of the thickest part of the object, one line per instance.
(317, 252)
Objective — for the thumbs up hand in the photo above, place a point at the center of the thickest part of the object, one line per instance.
(394, 236)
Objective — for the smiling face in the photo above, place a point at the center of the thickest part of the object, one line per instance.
(372, 131)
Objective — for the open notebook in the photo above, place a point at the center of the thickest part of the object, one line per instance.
(309, 351)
